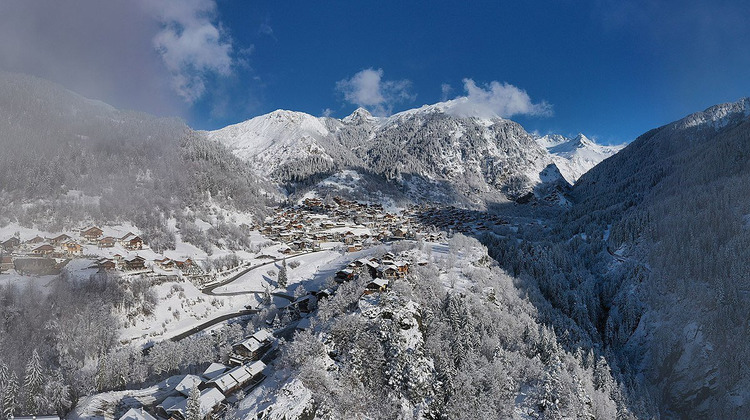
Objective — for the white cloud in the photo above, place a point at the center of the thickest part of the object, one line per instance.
(445, 90)
(327, 112)
(368, 89)
(496, 100)
(192, 46)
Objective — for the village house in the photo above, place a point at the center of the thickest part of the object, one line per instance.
(92, 234)
(35, 240)
(210, 401)
(107, 242)
(11, 244)
(44, 250)
(135, 263)
(60, 239)
(133, 414)
(72, 248)
(375, 286)
(134, 243)
(253, 347)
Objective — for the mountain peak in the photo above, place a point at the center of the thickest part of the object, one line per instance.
(359, 115)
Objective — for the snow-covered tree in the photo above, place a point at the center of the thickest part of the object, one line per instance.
(193, 409)
(10, 397)
(283, 279)
(33, 383)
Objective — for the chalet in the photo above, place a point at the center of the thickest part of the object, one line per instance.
(322, 294)
(60, 239)
(238, 378)
(106, 242)
(253, 347)
(134, 414)
(92, 234)
(72, 248)
(134, 243)
(11, 244)
(377, 285)
(165, 263)
(183, 264)
(106, 264)
(403, 267)
(135, 263)
(285, 250)
(354, 248)
(345, 274)
(45, 249)
(305, 304)
(35, 240)
(214, 371)
(210, 401)
(389, 271)
(187, 383)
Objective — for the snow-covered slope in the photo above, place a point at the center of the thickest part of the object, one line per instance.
(433, 148)
(274, 139)
(577, 155)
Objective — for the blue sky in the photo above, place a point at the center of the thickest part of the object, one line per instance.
(609, 69)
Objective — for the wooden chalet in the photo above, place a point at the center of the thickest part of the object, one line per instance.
(72, 248)
(106, 264)
(134, 414)
(345, 274)
(45, 249)
(253, 347)
(60, 239)
(210, 402)
(11, 244)
(107, 242)
(92, 234)
(238, 378)
(134, 243)
(35, 240)
(375, 286)
(135, 263)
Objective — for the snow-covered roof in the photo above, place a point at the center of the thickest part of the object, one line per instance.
(240, 374)
(256, 367)
(224, 382)
(251, 344)
(214, 370)
(263, 335)
(135, 414)
(187, 383)
(210, 398)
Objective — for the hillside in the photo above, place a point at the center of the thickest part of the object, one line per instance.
(68, 161)
(651, 262)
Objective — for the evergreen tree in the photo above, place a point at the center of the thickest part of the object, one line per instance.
(4, 376)
(266, 296)
(10, 397)
(57, 393)
(193, 410)
(283, 280)
(33, 383)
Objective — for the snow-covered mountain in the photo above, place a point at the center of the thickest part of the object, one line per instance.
(433, 152)
(674, 208)
(575, 156)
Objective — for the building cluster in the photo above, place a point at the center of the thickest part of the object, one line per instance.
(357, 225)
(453, 219)
(47, 255)
(217, 383)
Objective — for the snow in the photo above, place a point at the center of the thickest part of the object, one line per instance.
(271, 140)
(575, 156)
